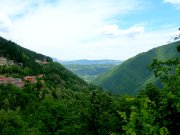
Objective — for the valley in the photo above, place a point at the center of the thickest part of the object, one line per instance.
(89, 70)
(89, 67)
(41, 97)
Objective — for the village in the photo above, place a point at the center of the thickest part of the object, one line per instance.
(18, 82)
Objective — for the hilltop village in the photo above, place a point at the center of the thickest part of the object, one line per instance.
(18, 82)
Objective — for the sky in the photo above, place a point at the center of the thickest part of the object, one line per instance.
(89, 29)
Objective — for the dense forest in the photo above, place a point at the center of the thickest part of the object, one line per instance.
(62, 103)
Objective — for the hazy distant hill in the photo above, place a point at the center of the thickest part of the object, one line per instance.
(89, 69)
(91, 62)
(133, 74)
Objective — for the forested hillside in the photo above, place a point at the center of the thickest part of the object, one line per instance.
(12, 51)
(61, 103)
(54, 74)
(133, 74)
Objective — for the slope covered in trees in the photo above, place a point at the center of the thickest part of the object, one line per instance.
(61, 103)
(12, 51)
(54, 73)
(132, 75)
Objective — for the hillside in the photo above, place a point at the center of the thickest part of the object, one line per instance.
(41, 97)
(29, 63)
(132, 75)
(89, 70)
(19, 54)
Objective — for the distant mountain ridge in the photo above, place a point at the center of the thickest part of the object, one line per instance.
(132, 74)
(89, 62)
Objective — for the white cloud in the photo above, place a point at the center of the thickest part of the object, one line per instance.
(176, 3)
(172, 1)
(13, 9)
(134, 31)
(114, 30)
(5, 22)
(70, 24)
(16, 7)
(124, 47)
(73, 29)
(108, 29)
(5, 25)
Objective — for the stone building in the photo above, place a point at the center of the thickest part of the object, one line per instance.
(31, 79)
(15, 81)
(10, 62)
(3, 61)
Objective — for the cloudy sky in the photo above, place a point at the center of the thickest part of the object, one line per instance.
(89, 29)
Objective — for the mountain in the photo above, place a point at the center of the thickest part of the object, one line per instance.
(91, 62)
(33, 64)
(41, 97)
(132, 74)
(89, 69)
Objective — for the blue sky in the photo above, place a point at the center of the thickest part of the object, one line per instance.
(89, 29)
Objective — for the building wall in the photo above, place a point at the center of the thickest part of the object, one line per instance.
(3, 61)
(15, 81)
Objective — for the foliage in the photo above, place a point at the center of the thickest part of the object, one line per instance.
(62, 103)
